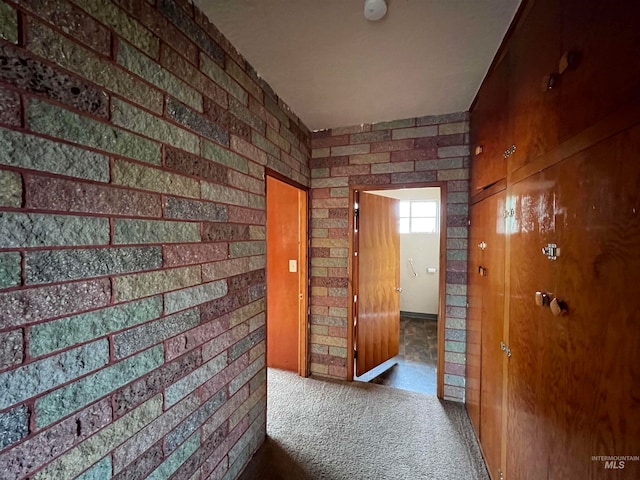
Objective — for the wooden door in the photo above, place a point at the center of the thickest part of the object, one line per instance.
(490, 129)
(604, 35)
(492, 331)
(286, 276)
(378, 298)
(533, 107)
(573, 378)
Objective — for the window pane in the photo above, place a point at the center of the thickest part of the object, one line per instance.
(404, 225)
(423, 209)
(423, 225)
(404, 209)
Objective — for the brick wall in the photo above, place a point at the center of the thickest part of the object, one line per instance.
(415, 150)
(133, 146)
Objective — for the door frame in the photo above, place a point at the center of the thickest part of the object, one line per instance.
(442, 287)
(304, 267)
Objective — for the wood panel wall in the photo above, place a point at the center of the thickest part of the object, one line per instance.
(557, 121)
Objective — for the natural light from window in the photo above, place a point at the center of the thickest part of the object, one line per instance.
(419, 216)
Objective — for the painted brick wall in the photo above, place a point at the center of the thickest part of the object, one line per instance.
(133, 146)
(426, 149)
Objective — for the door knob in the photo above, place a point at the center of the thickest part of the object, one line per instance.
(558, 307)
(399, 289)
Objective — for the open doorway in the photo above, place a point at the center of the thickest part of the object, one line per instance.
(407, 263)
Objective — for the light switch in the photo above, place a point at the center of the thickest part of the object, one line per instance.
(293, 266)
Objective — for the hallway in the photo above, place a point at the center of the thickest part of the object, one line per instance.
(352, 430)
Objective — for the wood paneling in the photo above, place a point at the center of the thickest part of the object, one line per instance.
(571, 385)
(606, 36)
(492, 331)
(378, 320)
(579, 371)
(286, 290)
(490, 129)
(533, 109)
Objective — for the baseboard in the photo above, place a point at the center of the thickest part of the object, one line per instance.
(423, 316)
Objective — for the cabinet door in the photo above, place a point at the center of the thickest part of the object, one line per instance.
(492, 332)
(535, 53)
(477, 216)
(574, 379)
(490, 129)
(607, 35)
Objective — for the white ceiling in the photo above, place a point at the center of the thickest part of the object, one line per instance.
(335, 68)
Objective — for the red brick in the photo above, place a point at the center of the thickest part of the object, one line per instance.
(10, 108)
(246, 215)
(392, 146)
(220, 115)
(190, 164)
(454, 368)
(158, 24)
(330, 141)
(224, 377)
(328, 360)
(411, 155)
(321, 193)
(338, 233)
(73, 196)
(248, 150)
(338, 213)
(175, 255)
(322, 252)
(216, 232)
(369, 137)
(440, 141)
(456, 266)
(21, 307)
(330, 301)
(382, 179)
(340, 332)
(337, 371)
(258, 109)
(73, 21)
(329, 282)
(180, 66)
(338, 272)
(246, 280)
(458, 186)
(457, 221)
(350, 170)
(176, 346)
(328, 162)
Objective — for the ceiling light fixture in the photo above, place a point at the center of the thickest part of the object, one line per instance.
(374, 9)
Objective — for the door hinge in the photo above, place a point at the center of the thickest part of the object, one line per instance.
(355, 354)
(500, 474)
(505, 349)
(356, 212)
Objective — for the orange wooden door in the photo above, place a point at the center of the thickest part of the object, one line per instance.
(378, 319)
(286, 276)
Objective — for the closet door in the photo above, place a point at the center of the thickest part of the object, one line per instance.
(573, 377)
(493, 332)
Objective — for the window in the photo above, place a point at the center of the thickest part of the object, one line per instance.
(419, 216)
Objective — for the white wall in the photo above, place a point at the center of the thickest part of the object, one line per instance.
(419, 294)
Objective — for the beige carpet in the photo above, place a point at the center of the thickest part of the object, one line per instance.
(358, 431)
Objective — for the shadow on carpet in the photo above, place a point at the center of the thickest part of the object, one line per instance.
(350, 431)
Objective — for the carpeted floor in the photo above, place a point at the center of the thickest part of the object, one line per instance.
(360, 431)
